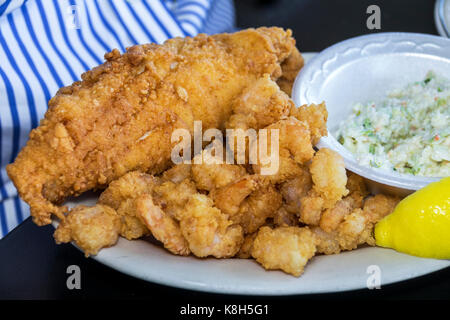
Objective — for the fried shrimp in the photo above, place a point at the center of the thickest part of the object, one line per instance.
(209, 176)
(249, 201)
(177, 173)
(311, 207)
(259, 105)
(355, 228)
(290, 68)
(329, 179)
(284, 218)
(173, 197)
(285, 248)
(121, 195)
(260, 205)
(379, 206)
(331, 217)
(162, 226)
(230, 197)
(245, 251)
(315, 115)
(295, 149)
(92, 228)
(296, 188)
(208, 231)
(329, 176)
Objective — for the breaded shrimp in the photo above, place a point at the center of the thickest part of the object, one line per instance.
(290, 68)
(230, 197)
(92, 228)
(296, 188)
(212, 176)
(332, 217)
(355, 228)
(357, 188)
(261, 204)
(162, 226)
(177, 173)
(246, 247)
(173, 197)
(327, 242)
(311, 207)
(285, 248)
(249, 201)
(284, 218)
(208, 231)
(121, 195)
(259, 105)
(329, 176)
(379, 206)
(315, 115)
(294, 148)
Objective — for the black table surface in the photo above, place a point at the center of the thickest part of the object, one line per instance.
(33, 267)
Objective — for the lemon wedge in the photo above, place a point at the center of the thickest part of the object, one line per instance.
(420, 224)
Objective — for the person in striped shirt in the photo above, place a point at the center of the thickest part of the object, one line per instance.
(48, 44)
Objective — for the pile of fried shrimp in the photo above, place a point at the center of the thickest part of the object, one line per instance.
(310, 206)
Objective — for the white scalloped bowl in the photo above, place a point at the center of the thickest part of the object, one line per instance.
(364, 69)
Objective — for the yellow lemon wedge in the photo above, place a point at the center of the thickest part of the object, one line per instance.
(420, 224)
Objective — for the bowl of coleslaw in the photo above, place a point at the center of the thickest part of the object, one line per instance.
(388, 99)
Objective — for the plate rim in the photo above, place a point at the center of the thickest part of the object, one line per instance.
(229, 290)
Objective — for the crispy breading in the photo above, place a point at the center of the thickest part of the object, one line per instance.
(260, 205)
(121, 195)
(293, 190)
(285, 248)
(311, 207)
(208, 230)
(315, 115)
(332, 217)
(120, 117)
(163, 227)
(284, 218)
(329, 176)
(259, 105)
(249, 201)
(230, 197)
(245, 251)
(208, 176)
(177, 173)
(294, 150)
(173, 197)
(92, 228)
(355, 228)
(379, 206)
(290, 68)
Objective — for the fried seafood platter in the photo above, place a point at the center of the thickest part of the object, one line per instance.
(113, 131)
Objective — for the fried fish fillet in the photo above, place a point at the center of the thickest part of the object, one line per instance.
(120, 117)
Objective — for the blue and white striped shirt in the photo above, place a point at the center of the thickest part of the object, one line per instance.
(48, 44)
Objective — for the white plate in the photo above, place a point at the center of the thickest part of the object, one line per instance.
(323, 274)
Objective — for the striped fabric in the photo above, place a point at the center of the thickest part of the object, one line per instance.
(47, 44)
